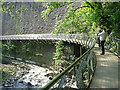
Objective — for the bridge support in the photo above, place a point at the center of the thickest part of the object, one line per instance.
(80, 50)
(77, 50)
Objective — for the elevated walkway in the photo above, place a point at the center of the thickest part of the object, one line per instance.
(82, 39)
(106, 73)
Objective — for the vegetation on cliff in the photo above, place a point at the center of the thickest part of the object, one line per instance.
(87, 17)
(80, 17)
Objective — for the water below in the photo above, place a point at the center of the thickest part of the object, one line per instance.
(28, 75)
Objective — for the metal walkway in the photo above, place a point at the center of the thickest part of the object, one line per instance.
(82, 39)
(106, 74)
(87, 59)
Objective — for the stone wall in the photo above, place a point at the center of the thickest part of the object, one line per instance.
(31, 22)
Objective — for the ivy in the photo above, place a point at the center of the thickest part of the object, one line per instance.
(58, 55)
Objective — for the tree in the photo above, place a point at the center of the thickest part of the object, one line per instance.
(88, 16)
(84, 18)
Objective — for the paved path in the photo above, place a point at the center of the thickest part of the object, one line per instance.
(106, 74)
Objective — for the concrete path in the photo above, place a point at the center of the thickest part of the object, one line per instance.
(106, 74)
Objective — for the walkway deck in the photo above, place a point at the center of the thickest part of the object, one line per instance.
(106, 74)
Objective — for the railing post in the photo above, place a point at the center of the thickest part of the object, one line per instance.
(61, 82)
(80, 50)
(118, 48)
(77, 50)
(15, 50)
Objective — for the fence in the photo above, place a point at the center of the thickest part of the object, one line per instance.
(71, 38)
(113, 44)
(78, 74)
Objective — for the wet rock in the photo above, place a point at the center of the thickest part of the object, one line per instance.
(6, 61)
(19, 59)
(38, 27)
(50, 77)
(32, 77)
(6, 85)
(15, 79)
(39, 81)
(43, 65)
(20, 81)
(29, 84)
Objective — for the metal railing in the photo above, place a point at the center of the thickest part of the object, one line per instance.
(80, 72)
(84, 69)
(71, 38)
(113, 44)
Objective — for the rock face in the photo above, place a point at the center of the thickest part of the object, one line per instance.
(31, 22)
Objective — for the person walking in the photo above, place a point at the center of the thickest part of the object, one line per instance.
(98, 37)
(103, 36)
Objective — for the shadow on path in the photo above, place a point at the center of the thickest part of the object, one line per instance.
(106, 74)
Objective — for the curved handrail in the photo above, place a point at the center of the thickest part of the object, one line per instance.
(50, 84)
(74, 38)
(113, 44)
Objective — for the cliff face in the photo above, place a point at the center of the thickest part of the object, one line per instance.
(31, 22)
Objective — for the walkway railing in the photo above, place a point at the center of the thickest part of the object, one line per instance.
(113, 44)
(77, 75)
(83, 68)
(80, 72)
(71, 38)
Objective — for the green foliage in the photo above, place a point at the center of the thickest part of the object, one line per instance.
(7, 71)
(58, 60)
(72, 57)
(76, 21)
(8, 7)
(29, 50)
(49, 8)
(8, 47)
(59, 50)
(39, 54)
(63, 55)
(88, 17)
(84, 18)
